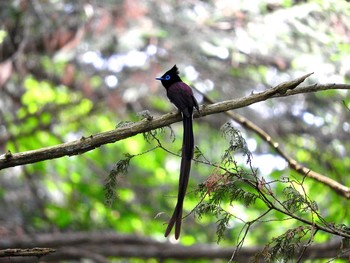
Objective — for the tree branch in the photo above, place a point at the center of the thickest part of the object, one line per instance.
(100, 245)
(93, 141)
(293, 164)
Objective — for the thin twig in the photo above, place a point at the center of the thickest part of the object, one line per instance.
(26, 252)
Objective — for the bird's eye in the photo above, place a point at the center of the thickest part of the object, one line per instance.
(167, 77)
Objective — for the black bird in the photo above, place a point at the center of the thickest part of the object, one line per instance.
(181, 95)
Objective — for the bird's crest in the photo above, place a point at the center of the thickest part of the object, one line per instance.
(174, 70)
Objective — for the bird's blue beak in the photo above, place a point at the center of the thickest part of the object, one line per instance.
(160, 78)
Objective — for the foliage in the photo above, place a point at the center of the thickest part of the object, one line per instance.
(120, 168)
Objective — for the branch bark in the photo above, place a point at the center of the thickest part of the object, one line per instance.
(100, 245)
(93, 141)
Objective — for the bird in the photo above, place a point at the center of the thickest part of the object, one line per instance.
(181, 95)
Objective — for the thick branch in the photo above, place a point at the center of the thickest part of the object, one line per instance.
(89, 143)
(100, 245)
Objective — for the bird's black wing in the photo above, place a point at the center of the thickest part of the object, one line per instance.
(181, 95)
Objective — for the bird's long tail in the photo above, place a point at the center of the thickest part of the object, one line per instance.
(187, 154)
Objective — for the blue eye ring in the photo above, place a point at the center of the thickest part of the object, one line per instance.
(167, 77)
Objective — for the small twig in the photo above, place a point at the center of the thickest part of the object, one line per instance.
(312, 236)
(249, 224)
(26, 252)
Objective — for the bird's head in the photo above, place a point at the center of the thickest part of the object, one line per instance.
(170, 77)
